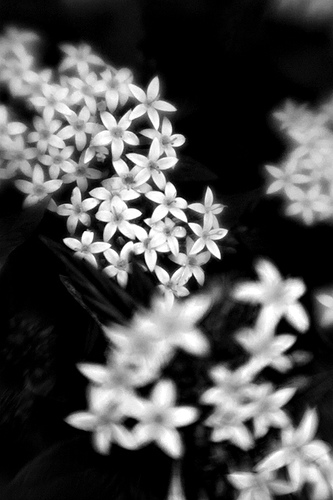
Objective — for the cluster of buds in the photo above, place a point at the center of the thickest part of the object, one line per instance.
(305, 176)
(99, 151)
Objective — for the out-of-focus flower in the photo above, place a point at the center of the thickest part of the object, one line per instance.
(51, 101)
(279, 297)
(86, 91)
(86, 248)
(80, 174)
(79, 126)
(285, 178)
(19, 157)
(228, 424)
(267, 410)
(117, 87)
(76, 211)
(299, 452)
(38, 188)
(150, 102)
(58, 160)
(79, 58)
(324, 308)
(258, 485)
(160, 418)
(105, 419)
(46, 134)
(307, 204)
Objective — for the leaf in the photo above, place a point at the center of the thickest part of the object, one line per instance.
(102, 297)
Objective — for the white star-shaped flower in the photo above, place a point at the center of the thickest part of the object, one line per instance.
(117, 134)
(167, 140)
(119, 265)
(160, 419)
(38, 188)
(117, 218)
(150, 102)
(168, 202)
(279, 297)
(207, 235)
(76, 211)
(208, 208)
(258, 485)
(86, 248)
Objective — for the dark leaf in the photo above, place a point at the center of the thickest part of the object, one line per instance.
(102, 296)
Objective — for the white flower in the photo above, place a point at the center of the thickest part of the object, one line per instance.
(168, 202)
(79, 58)
(325, 308)
(160, 418)
(176, 322)
(45, 134)
(59, 160)
(8, 128)
(170, 231)
(267, 408)
(258, 485)
(285, 178)
(117, 218)
(264, 348)
(207, 235)
(172, 285)
(86, 90)
(80, 173)
(152, 164)
(38, 189)
(279, 297)
(117, 134)
(208, 208)
(76, 211)
(228, 424)
(119, 265)
(150, 103)
(299, 451)
(51, 100)
(79, 126)
(105, 420)
(117, 89)
(167, 140)
(141, 349)
(308, 205)
(110, 190)
(86, 249)
(19, 156)
(148, 245)
(133, 181)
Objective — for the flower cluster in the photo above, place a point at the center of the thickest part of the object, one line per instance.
(239, 409)
(304, 177)
(99, 151)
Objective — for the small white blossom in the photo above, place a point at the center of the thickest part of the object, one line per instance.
(38, 188)
(79, 126)
(117, 134)
(207, 235)
(148, 245)
(160, 418)
(208, 208)
(168, 202)
(279, 297)
(119, 265)
(46, 134)
(167, 140)
(76, 211)
(86, 248)
(79, 58)
(150, 102)
(117, 219)
(258, 485)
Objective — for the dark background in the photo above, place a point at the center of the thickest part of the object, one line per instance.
(225, 65)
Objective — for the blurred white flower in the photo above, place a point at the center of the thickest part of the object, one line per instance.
(38, 188)
(258, 485)
(105, 419)
(59, 160)
(300, 452)
(53, 98)
(160, 418)
(228, 424)
(78, 128)
(117, 87)
(46, 134)
(279, 297)
(79, 58)
(324, 303)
